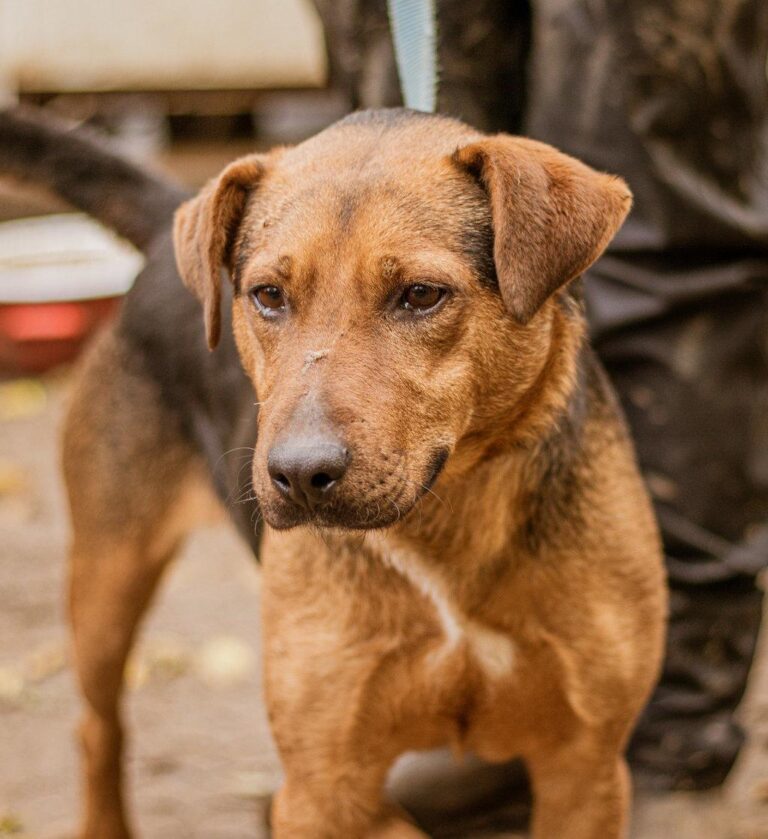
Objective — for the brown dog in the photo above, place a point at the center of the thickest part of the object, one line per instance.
(460, 550)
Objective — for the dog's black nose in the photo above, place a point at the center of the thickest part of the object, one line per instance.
(306, 470)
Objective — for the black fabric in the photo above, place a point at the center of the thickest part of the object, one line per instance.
(695, 390)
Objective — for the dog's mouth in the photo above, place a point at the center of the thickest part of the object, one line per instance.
(373, 514)
(357, 502)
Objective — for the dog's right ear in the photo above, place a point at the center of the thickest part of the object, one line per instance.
(204, 231)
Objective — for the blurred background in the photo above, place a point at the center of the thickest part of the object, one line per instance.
(185, 87)
(174, 86)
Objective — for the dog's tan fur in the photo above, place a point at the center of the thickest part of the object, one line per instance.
(515, 607)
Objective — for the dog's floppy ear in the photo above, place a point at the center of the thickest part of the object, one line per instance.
(552, 215)
(204, 230)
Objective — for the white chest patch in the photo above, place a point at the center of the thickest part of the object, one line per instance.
(493, 651)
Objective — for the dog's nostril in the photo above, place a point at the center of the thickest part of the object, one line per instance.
(321, 480)
(282, 481)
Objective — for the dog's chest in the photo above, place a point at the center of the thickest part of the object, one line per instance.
(490, 651)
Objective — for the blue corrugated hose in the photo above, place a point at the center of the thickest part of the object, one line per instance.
(414, 31)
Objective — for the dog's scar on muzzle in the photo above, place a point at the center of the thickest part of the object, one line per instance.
(311, 357)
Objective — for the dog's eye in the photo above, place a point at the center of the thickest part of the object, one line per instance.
(269, 298)
(421, 297)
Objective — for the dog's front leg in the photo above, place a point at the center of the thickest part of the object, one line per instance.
(580, 792)
(334, 776)
(337, 814)
(335, 721)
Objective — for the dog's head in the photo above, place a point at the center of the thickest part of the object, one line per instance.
(392, 283)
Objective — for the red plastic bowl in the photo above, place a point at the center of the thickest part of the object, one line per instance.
(61, 277)
(37, 336)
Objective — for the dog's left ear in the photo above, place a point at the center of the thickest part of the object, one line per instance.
(204, 231)
(552, 215)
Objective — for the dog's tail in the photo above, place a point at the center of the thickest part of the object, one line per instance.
(78, 167)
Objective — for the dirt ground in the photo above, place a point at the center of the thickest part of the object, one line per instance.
(201, 759)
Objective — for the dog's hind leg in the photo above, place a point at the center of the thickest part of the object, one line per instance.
(127, 470)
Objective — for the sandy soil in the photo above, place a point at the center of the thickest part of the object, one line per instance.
(202, 760)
